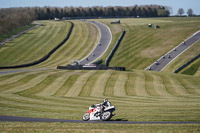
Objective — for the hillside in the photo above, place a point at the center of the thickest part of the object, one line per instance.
(137, 94)
(192, 69)
(33, 44)
(83, 39)
(38, 42)
(141, 45)
(67, 94)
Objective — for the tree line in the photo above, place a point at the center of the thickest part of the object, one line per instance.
(132, 11)
(12, 18)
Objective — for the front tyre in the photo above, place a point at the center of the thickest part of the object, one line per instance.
(106, 116)
(86, 117)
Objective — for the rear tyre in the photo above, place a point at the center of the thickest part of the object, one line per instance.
(106, 116)
(86, 117)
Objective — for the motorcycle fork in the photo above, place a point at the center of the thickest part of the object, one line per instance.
(101, 112)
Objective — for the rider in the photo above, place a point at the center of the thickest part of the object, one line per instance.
(105, 102)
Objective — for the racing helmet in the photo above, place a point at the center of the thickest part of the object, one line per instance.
(105, 100)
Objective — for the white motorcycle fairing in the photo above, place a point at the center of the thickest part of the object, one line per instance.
(94, 113)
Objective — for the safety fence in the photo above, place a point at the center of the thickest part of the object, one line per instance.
(108, 59)
(98, 62)
(44, 57)
(98, 67)
(186, 64)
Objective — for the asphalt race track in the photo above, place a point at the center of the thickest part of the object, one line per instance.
(174, 53)
(23, 70)
(101, 47)
(28, 119)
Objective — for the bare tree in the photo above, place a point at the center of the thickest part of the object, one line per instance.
(169, 9)
(13, 18)
(190, 12)
(180, 11)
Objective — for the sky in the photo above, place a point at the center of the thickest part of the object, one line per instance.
(175, 4)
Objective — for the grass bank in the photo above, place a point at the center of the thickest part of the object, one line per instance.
(36, 43)
(15, 31)
(141, 45)
(192, 69)
(138, 95)
(30, 127)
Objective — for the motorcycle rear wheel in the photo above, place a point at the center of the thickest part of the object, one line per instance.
(86, 117)
(106, 115)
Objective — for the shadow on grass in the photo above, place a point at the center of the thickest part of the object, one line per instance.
(29, 33)
(119, 119)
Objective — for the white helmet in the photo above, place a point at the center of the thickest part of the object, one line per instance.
(105, 100)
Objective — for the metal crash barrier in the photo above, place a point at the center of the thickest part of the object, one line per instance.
(90, 67)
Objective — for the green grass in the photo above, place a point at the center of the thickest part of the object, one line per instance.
(34, 44)
(197, 73)
(38, 42)
(141, 45)
(193, 68)
(15, 31)
(83, 39)
(24, 127)
(138, 95)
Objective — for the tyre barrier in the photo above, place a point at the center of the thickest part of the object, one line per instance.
(98, 62)
(44, 57)
(186, 64)
(108, 59)
(98, 67)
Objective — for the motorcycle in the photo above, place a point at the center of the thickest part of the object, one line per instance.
(102, 112)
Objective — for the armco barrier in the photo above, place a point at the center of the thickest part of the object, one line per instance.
(186, 64)
(108, 59)
(98, 62)
(46, 56)
(98, 67)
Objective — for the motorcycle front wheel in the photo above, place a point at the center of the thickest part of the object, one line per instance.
(86, 117)
(106, 115)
